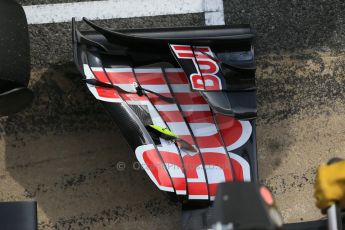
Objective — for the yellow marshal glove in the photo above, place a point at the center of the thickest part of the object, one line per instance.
(330, 185)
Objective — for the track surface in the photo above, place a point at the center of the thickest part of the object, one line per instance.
(66, 153)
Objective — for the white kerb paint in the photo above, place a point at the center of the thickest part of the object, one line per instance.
(111, 9)
(214, 12)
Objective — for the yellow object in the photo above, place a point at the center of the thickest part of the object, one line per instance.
(164, 131)
(330, 185)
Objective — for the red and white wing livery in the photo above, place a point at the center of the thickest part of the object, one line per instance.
(215, 136)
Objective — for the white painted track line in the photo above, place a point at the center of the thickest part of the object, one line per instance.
(214, 12)
(110, 9)
(63, 12)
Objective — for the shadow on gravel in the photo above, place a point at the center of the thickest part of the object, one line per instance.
(65, 153)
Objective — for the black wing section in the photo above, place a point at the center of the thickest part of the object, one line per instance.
(183, 35)
(100, 52)
(231, 49)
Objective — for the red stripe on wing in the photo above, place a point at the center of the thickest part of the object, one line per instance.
(100, 75)
(230, 128)
(177, 78)
(171, 116)
(107, 92)
(154, 163)
(150, 78)
(190, 98)
(238, 170)
(174, 159)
